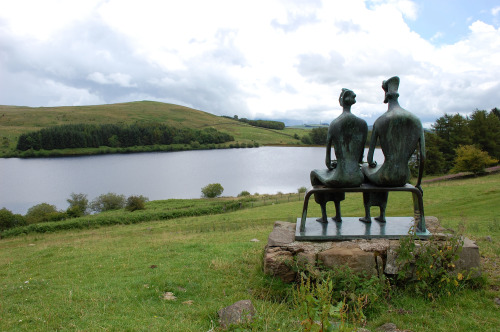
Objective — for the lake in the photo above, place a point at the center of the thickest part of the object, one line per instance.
(162, 175)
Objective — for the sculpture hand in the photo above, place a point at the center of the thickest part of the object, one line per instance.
(333, 164)
(373, 164)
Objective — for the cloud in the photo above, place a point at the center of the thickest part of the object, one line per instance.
(267, 59)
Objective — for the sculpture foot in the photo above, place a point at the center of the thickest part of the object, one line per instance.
(380, 219)
(366, 219)
(339, 219)
(322, 220)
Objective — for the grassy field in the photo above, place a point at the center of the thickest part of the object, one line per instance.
(15, 120)
(114, 278)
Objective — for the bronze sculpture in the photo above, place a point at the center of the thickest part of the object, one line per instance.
(399, 133)
(348, 134)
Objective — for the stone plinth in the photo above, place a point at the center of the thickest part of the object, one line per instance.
(373, 256)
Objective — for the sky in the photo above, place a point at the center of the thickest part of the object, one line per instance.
(259, 59)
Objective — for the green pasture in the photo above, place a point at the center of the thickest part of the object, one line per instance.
(113, 278)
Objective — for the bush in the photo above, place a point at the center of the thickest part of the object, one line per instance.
(43, 212)
(302, 190)
(136, 203)
(78, 205)
(471, 159)
(10, 220)
(427, 268)
(107, 202)
(244, 193)
(212, 190)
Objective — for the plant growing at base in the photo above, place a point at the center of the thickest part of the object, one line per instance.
(212, 190)
(427, 268)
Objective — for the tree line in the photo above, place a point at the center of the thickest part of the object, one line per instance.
(452, 135)
(278, 125)
(116, 135)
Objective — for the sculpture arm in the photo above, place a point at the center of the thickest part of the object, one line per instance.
(371, 150)
(421, 164)
(328, 158)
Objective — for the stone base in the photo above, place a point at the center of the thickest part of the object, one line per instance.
(373, 256)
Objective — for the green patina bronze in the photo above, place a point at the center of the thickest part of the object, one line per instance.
(347, 134)
(400, 134)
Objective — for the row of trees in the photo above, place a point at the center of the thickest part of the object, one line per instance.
(114, 135)
(278, 125)
(465, 134)
(79, 206)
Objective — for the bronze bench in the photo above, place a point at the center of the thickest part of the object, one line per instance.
(418, 204)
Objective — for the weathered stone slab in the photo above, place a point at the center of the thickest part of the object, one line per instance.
(283, 234)
(278, 262)
(469, 258)
(357, 259)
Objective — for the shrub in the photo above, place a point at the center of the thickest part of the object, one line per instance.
(136, 203)
(302, 190)
(427, 268)
(107, 202)
(471, 159)
(10, 220)
(78, 205)
(43, 212)
(244, 193)
(212, 190)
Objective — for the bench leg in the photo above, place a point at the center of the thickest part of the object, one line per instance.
(304, 211)
(418, 211)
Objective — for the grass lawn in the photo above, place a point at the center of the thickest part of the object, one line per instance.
(114, 278)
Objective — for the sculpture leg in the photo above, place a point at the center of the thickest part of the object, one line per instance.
(337, 217)
(323, 218)
(382, 203)
(366, 203)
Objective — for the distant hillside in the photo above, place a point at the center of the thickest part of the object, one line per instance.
(15, 120)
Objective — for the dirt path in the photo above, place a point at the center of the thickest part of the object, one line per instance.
(490, 170)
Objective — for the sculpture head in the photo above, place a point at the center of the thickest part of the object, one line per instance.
(347, 97)
(391, 89)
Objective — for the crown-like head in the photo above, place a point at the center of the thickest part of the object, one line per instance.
(347, 94)
(391, 88)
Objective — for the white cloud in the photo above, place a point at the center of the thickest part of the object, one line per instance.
(114, 78)
(274, 58)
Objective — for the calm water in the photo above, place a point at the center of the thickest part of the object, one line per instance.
(163, 175)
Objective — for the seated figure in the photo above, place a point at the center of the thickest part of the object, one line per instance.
(348, 134)
(399, 133)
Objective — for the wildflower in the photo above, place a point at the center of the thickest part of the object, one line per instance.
(460, 276)
(456, 283)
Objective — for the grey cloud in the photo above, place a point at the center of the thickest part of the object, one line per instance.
(100, 66)
(320, 69)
